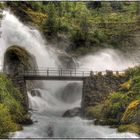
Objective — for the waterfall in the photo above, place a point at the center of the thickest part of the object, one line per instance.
(47, 109)
(16, 33)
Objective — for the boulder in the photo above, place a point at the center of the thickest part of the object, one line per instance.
(35, 92)
(73, 112)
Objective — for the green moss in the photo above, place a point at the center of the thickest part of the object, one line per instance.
(133, 128)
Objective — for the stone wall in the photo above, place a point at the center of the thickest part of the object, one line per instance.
(97, 87)
(20, 83)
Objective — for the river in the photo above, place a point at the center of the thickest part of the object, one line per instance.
(48, 108)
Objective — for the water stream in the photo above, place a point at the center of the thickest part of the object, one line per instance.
(48, 108)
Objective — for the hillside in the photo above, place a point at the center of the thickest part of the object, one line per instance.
(87, 26)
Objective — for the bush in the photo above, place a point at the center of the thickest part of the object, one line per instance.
(115, 105)
(132, 113)
(11, 98)
(94, 111)
(11, 110)
(134, 128)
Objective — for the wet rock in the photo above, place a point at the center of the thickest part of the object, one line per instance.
(27, 120)
(35, 92)
(50, 131)
(73, 112)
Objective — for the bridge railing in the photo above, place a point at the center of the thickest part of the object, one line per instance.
(58, 72)
(67, 72)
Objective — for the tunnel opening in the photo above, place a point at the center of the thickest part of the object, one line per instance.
(17, 59)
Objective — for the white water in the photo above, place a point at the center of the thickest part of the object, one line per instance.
(48, 109)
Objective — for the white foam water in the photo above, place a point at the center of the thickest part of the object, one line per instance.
(106, 59)
(48, 108)
(16, 33)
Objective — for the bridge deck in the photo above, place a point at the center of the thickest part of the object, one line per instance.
(67, 78)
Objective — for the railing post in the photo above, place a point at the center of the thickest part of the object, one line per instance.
(83, 73)
(48, 72)
(61, 71)
(70, 73)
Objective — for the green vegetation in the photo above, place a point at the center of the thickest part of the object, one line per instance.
(134, 128)
(12, 113)
(87, 25)
(122, 108)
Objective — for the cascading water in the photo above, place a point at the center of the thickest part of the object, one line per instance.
(48, 107)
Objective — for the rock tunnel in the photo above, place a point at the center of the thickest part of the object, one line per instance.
(16, 61)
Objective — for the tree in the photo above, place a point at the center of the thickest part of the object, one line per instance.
(94, 4)
(117, 5)
(50, 25)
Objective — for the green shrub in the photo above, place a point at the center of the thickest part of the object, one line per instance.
(94, 111)
(115, 105)
(6, 122)
(132, 113)
(133, 128)
(11, 98)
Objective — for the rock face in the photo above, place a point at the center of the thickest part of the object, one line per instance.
(17, 60)
(96, 88)
(73, 112)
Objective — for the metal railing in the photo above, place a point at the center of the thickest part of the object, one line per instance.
(57, 72)
(67, 72)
